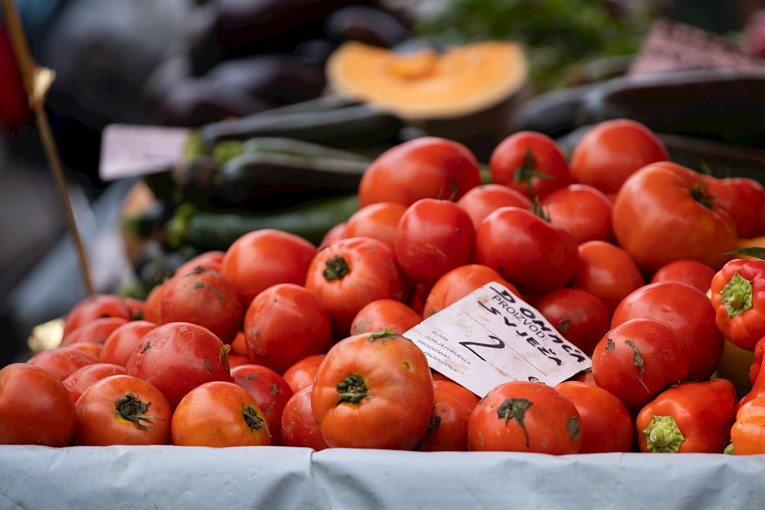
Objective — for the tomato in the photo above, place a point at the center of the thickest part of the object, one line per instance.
(94, 307)
(62, 361)
(373, 391)
(299, 427)
(691, 272)
(351, 273)
(284, 324)
(262, 258)
(460, 282)
(35, 407)
(95, 331)
(637, 359)
(612, 150)
(270, 391)
(665, 212)
(685, 309)
(79, 380)
(219, 414)
(121, 343)
(535, 255)
(425, 167)
(239, 345)
(136, 307)
(418, 296)
(531, 163)
(452, 407)
(481, 201)
(121, 409)
(579, 316)
(522, 416)
(433, 237)
(606, 271)
(212, 260)
(89, 348)
(302, 373)
(153, 301)
(584, 210)
(606, 423)
(744, 199)
(334, 234)
(178, 356)
(377, 220)
(387, 314)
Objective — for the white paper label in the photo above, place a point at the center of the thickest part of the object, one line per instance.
(492, 336)
(133, 150)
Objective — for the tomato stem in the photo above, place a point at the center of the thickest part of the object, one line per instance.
(131, 409)
(737, 295)
(528, 171)
(251, 418)
(515, 409)
(352, 390)
(383, 334)
(663, 435)
(700, 193)
(337, 268)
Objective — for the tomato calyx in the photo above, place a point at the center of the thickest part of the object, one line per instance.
(737, 295)
(539, 211)
(336, 268)
(382, 334)
(352, 390)
(528, 171)
(131, 409)
(700, 193)
(515, 409)
(663, 435)
(254, 422)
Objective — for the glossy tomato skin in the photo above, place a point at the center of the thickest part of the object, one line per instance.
(518, 159)
(432, 238)
(212, 260)
(219, 414)
(377, 220)
(529, 252)
(285, 323)
(522, 416)
(665, 212)
(62, 361)
(270, 391)
(426, 167)
(81, 379)
(35, 407)
(302, 373)
(152, 303)
(452, 406)
(299, 427)
(579, 316)
(385, 314)
(121, 343)
(744, 199)
(95, 331)
(94, 307)
(121, 409)
(637, 359)
(612, 150)
(349, 274)
(373, 392)
(584, 210)
(691, 272)
(179, 356)
(460, 282)
(483, 200)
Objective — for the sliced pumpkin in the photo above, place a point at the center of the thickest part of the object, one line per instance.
(426, 84)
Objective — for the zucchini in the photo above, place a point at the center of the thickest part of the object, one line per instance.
(216, 230)
(298, 148)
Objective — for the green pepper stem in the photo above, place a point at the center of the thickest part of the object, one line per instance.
(737, 295)
(663, 435)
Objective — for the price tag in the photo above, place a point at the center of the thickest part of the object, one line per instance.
(492, 336)
(134, 150)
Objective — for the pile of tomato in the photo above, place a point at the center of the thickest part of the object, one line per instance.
(276, 341)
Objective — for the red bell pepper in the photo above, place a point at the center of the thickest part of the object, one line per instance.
(738, 296)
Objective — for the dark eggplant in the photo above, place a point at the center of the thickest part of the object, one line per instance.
(366, 24)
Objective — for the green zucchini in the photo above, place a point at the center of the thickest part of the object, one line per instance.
(295, 147)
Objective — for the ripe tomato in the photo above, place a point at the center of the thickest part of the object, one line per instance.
(691, 272)
(606, 271)
(584, 210)
(219, 414)
(212, 260)
(121, 343)
(638, 359)
(606, 423)
(178, 356)
(299, 427)
(262, 258)
(89, 348)
(426, 167)
(483, 200)
(377, 221)
(79, 380)
(351, 273)
(284, 324)
(62, 361)
(665, 212)
(121, 409)
(153, 301)
(94, 307)
(531, 163)
(432, 238)
(239, 345)
(579, 316)
(535, 255)
(334, 234)
(460, 282)
(522, 416)
(270, 391)
(302, 373)
(612, 150)
(685, 309)
(744, 199)
(373, 391)
(35, 407)
(385, 314)
(95, 331)
(452, 406)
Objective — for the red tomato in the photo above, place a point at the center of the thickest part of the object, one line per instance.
(373, 391)
(178, 356)
(432, 238)
(121, 343)
(79, 380)
(460, 282)
(638, 359)
(136, 307)
(452, 407)
(691, 272)
(89, 348)
(121, 409)
(334, 234)
(483, 200)
(529, 252)
(606, 423)
(612, 150)
(284, 324)
(62, 361)
(212, 260)
(239, 345)
(235, 359)
(35, 407)
(302, 373)
(522, 416)
(744, 199)
(583, 210)
(263, 258)
(219, 414)
(385, 314)
(299, 427)
(377, 221)
(531, 163)
(606, 271)
(95, 331)
(94, 307)
(426, 167)
(152, 303)
(351, 273)
(665, 212)
(418, 296)
(270, 391)
(579, 316)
